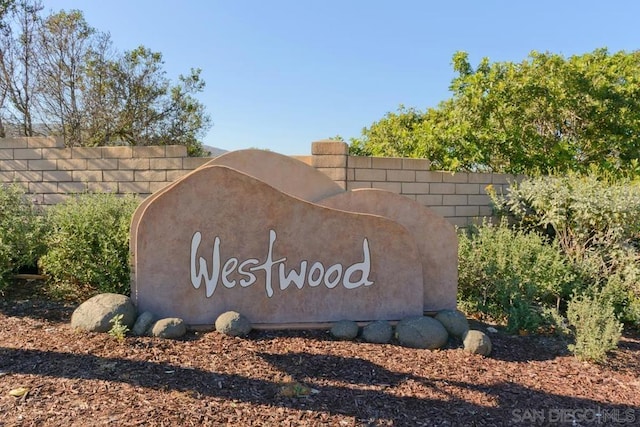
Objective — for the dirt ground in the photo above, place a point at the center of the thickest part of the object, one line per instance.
(62, 377)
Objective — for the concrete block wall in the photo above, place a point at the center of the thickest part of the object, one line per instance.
(50, 172)
(460, 197)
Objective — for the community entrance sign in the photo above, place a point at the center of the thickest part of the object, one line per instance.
(242, 233)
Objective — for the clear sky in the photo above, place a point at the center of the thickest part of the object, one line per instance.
(283, 73)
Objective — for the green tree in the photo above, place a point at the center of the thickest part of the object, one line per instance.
(5, 7)
(546, 113)
(100, 105)
(59, 71)
(150, 111)
(65, 42)
(184, 117)
(19, 27)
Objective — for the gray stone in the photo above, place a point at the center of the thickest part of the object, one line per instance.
(344, 330)
(143, 324)
(379, 332)
(454, 321)
(171, 327)
(421, 332)
(95, 314)
(477, 342)
(233, 323)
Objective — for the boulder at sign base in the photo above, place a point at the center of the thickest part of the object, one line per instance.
(421, 332)
(344, 330)
(378, 332)
(454, 321)
(171, 327)
(233, 323)
(143, 324)
(95, 314)
(477, 342)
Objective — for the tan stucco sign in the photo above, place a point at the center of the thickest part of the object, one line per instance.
(223, 239)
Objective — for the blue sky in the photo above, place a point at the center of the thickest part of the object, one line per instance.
(283, 73)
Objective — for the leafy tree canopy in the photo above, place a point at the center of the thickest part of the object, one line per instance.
(62, 77)
(5, 6)
(545, 114)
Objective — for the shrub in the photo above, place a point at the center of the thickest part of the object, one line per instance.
(597, 330)
(22, 230)
(89, 245)
(6, 266)
(595, 221)
(623, 290)
(513, 276)
(578, 210)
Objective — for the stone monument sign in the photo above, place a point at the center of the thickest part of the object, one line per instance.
(276, 240)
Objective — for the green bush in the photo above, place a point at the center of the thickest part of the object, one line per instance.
(597, 330)
(6, 266)
(89, 245)
(623, 289)
(580, 211)
(512, 276)
(596, 222)
(22, 230)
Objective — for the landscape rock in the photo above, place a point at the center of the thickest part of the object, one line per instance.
(95, 314)
(344, 330)
(233, 323)
(454, 321)
(477, 342)
(143, 324)
(421, 332)
(170, 327)
(379, 332)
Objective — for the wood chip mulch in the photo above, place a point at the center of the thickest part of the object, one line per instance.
(51, 375)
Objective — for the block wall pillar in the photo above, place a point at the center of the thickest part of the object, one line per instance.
(330, 158)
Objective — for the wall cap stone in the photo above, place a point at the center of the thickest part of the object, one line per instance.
(327, 146)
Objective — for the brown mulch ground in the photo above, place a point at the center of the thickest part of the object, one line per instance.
(297, 378)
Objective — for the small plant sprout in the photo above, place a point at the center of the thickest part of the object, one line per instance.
(118, 330)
